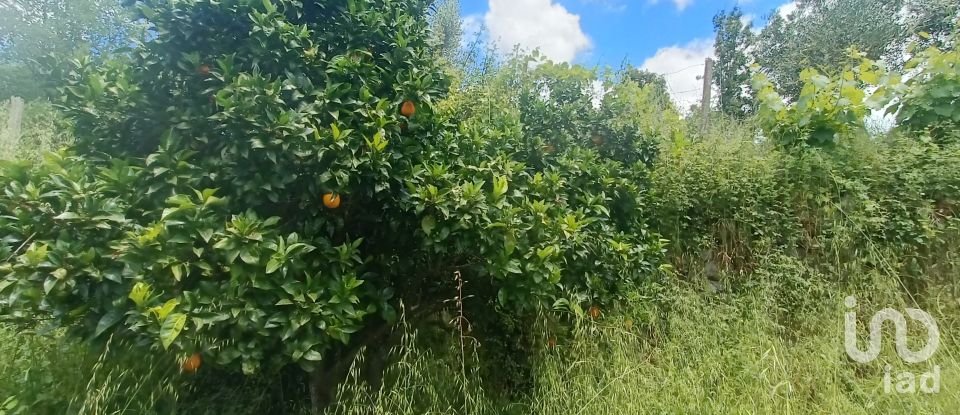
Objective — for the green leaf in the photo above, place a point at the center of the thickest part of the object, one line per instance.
(313, 356)
(107, 321)
(139, 293)
(546, 252)
(171, 328)
(206, 234)
(248, 257)
(500, 186)
(336, 132)
(162, 311)
(428, 224)
(5, 283)
(66, 216)
(272, 265)
(49, 284)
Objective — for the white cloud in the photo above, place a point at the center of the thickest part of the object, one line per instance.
(681, 66)
(681, 4)
(787, 8)
(536, 24)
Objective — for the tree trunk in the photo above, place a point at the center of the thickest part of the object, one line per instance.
(319, 395)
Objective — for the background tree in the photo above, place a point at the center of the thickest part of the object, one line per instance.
(31, 29)
(446, 32)
(819, 33)
(938, 18)
(644, 78)
(734, 39)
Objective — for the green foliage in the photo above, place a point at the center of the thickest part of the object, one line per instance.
(19, 81)
(827, 109)
(931, 98)
(734, 38)
(49, 374)
(42, 129)
(724, 194)
(818, 33)
(190, 217)
(30, 30)
(233, 137)
(445, 28)
(644, 77)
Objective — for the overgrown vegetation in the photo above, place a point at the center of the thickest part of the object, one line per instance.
(313, 213)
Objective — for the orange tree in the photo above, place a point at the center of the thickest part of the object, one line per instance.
(252, 184)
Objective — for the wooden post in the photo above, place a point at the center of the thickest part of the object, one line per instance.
(10, 136)
(707, 88)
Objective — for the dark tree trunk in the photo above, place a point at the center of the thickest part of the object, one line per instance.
(321, 392)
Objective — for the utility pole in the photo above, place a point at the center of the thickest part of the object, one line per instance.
(707, 88)
(10, 138)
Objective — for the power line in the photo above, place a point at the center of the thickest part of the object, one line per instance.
(681, 70)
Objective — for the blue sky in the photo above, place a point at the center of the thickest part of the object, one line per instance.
(666, 36)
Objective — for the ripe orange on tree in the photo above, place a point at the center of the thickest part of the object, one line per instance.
(192, 363)
(594, 312)
(408, 108)
(203, 70)
(331, 200)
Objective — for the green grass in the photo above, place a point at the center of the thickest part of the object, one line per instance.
(729, 355)
(691, 352)
(754, 351)
(42, 129)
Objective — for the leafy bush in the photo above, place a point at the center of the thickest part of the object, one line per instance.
(930, 99)
(292, 186)
(827, 109)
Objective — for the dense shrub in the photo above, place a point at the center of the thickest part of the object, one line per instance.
(264, 183)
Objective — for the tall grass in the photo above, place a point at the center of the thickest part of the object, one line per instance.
(748, 350)
(717, 354)
(51, 374)
(42, 129)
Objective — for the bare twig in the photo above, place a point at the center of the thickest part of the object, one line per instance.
(17, 251)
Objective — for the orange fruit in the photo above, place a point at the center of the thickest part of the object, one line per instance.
(597, 139)
(594, 312)
(408, 109)
(552, 342)
(192, 363)
(203, 70)
(331, 200)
